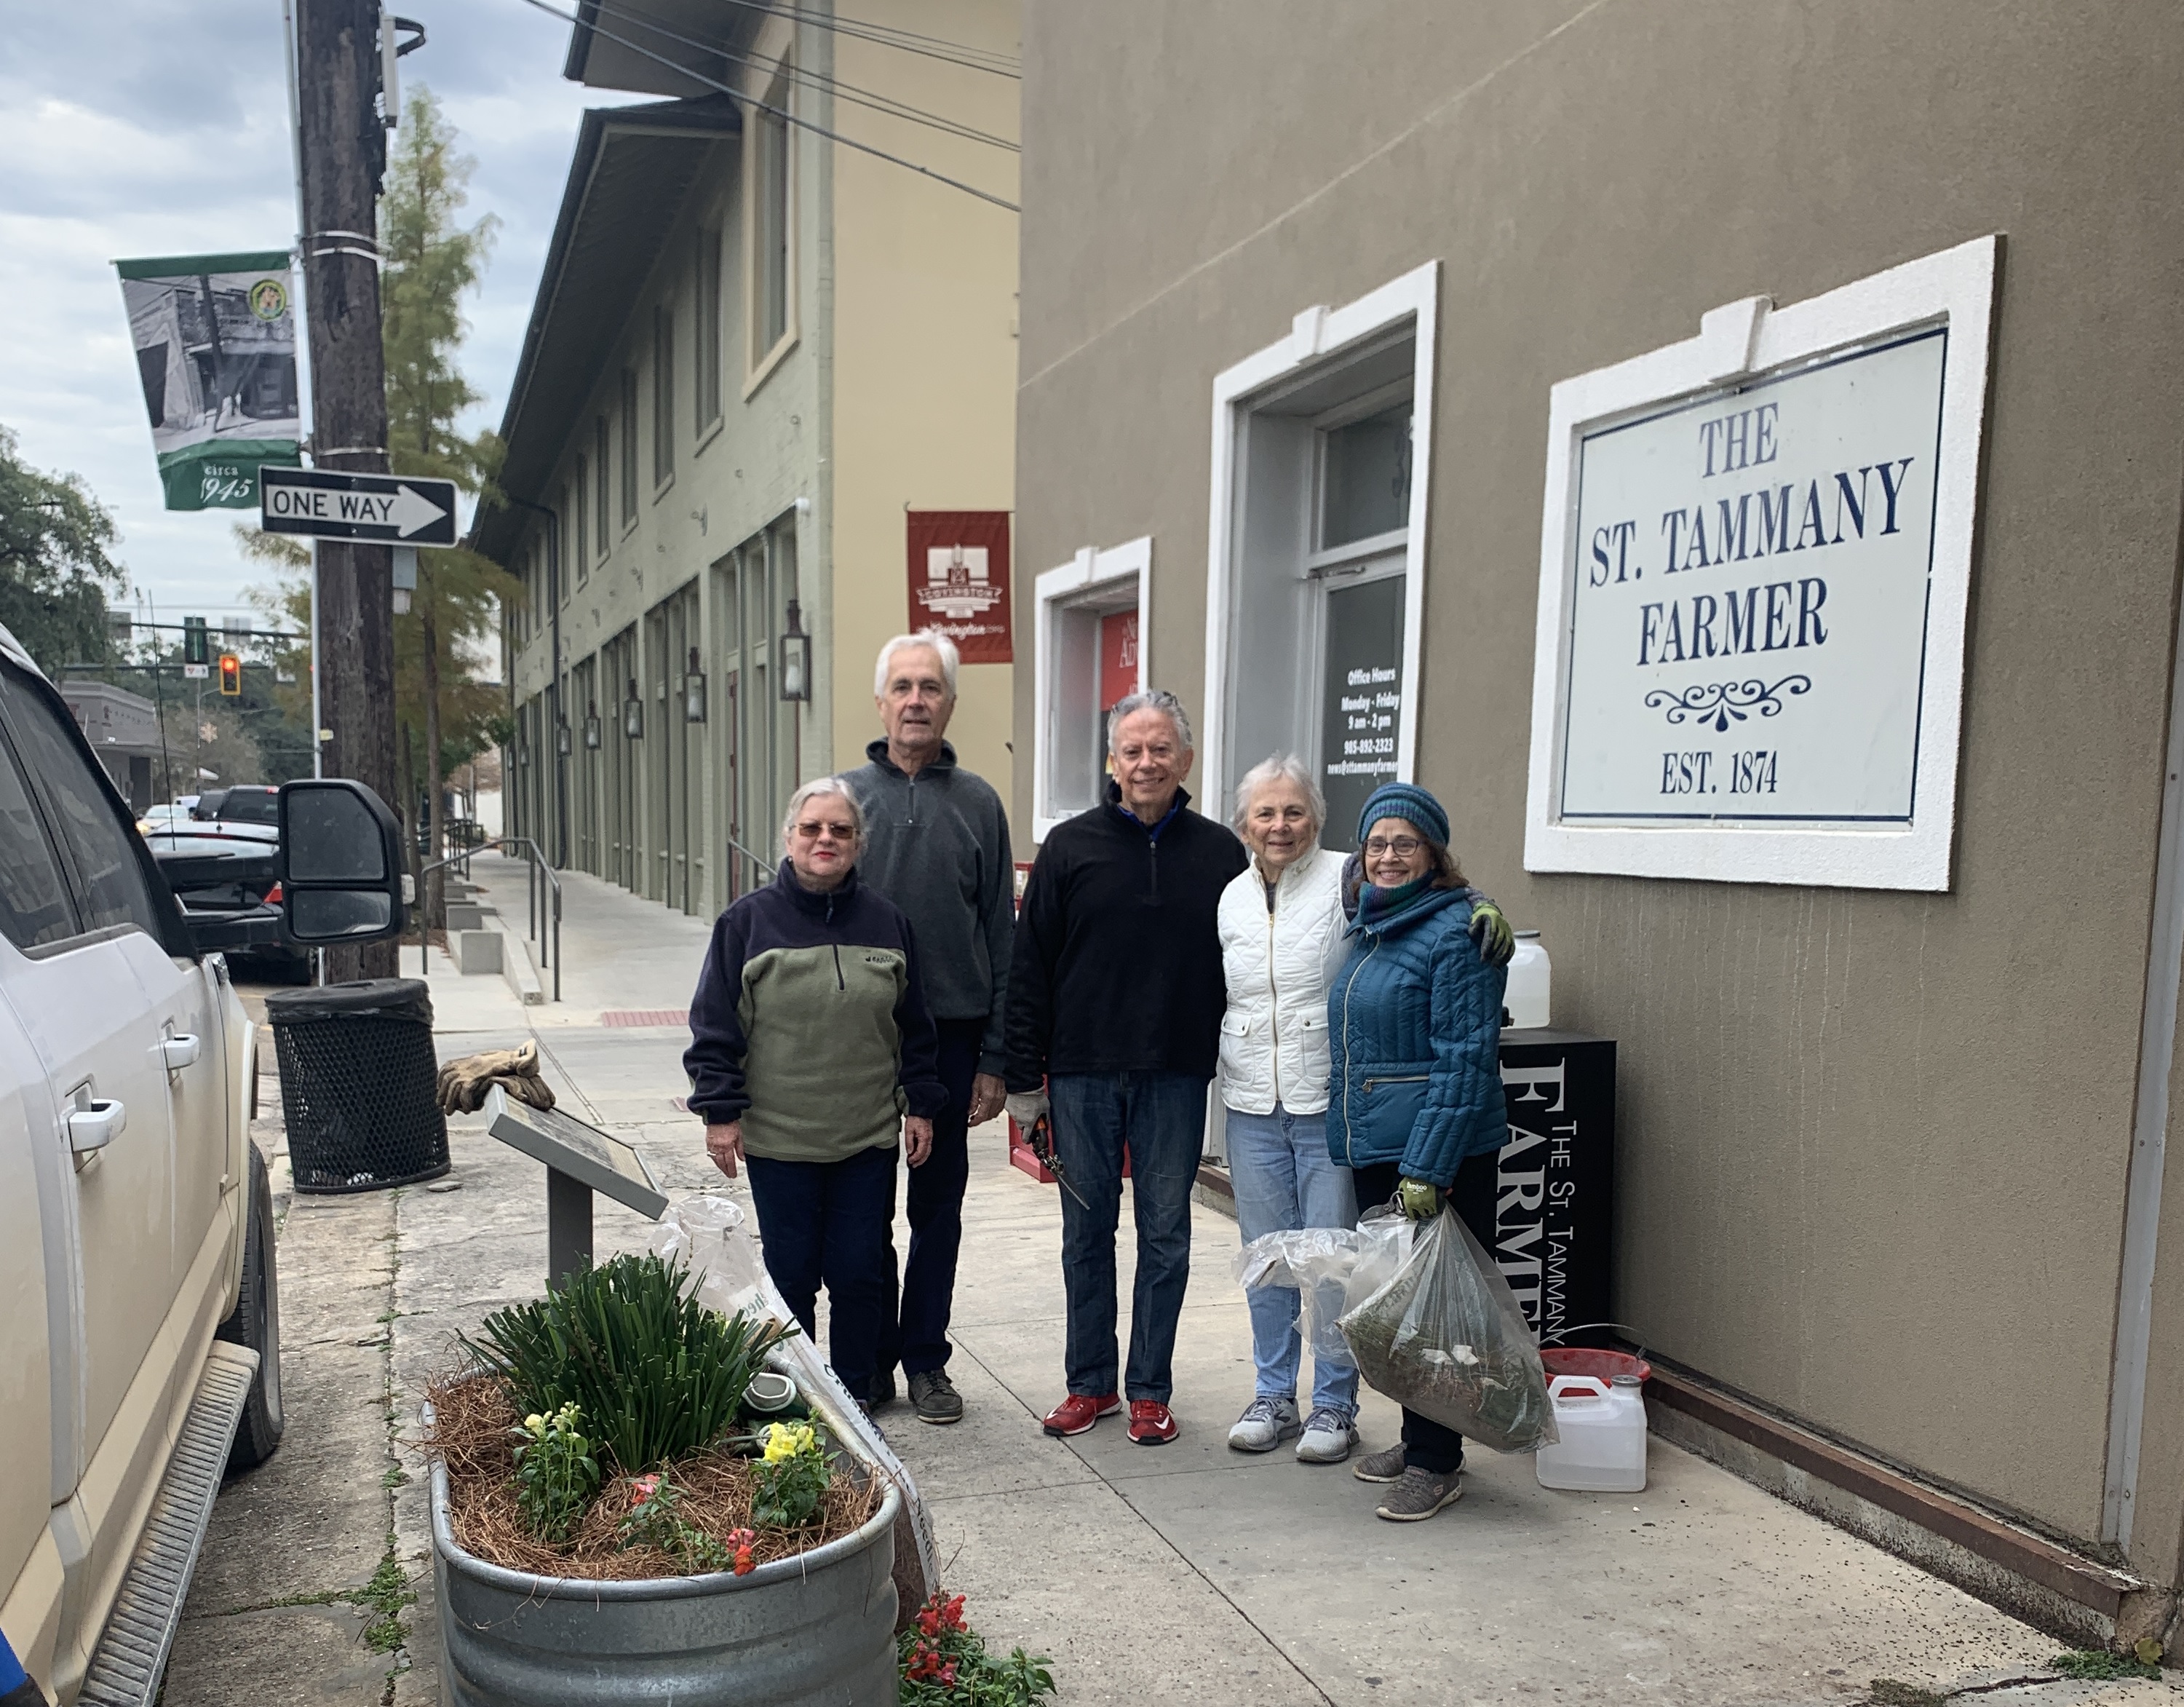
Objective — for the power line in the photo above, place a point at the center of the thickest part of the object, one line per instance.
(775, 112)
(819, 80)
(886, 35)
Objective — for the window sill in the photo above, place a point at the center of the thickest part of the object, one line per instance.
(663, 488)
(763, 368)
(706, 434)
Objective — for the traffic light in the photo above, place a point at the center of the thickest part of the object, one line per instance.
(230, 674)
(194, 649)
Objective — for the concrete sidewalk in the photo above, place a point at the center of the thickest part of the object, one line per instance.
(1186, 1572)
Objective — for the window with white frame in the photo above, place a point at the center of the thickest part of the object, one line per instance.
(580, 532)
(628, 446)
(600, 498)
(769, 230)
(1315, 576)
(705, 352)
(1091, 629)
(663, 393)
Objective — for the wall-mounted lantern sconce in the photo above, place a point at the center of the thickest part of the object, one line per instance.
(693, 692)
(795, 658)
(633, 714)
(592, 726)
(562, 744)
(522, 747)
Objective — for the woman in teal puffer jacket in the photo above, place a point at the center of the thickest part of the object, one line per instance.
(1415, 1110)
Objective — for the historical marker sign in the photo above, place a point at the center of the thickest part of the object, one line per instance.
(1755, 574)
(391, 509)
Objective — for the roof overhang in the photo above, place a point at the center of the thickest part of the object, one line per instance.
(632, 172)
(625, 50)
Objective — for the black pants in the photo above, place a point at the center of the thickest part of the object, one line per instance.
(914, 1331)
(1429, 1445)
(826, 1222)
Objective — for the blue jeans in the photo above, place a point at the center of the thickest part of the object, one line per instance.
(1162, 1118)
(827, 1221)
(1284, 1178)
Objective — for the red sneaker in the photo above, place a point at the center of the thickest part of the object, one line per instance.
(1078, 1412)
(1150, 1424)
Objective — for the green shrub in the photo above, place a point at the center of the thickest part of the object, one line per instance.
(555, 1473)
(656, 1374)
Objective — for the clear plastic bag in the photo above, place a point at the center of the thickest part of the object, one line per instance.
(706, 1230)
(1444, 1338)
(1334, 1269)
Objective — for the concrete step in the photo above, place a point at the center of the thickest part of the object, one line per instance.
(516, 963)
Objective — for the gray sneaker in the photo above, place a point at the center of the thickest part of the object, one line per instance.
(1420, 1494)
(1329, 1435)
(1267, 1422)
(1385, 1465)
(935, 1396)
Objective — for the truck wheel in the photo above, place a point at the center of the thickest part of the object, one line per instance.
(256, 1322)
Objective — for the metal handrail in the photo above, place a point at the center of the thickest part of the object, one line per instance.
(768, 869)
(535, 868)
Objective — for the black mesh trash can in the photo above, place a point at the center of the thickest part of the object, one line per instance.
(357, 1079)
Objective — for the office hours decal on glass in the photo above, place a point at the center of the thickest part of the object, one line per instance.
(1755, 571)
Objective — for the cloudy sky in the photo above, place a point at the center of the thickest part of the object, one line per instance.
(150, 127)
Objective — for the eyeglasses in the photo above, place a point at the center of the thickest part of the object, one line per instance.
(812, 830)
(1401, 846)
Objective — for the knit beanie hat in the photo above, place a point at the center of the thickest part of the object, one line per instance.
(1406, 801)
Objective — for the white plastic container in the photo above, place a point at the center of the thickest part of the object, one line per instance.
(1526, 997)
(1602, 1425)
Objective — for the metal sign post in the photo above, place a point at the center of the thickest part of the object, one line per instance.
(580, 1159)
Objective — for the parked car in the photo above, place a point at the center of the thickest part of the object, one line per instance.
(140, 1346)
(224, 861)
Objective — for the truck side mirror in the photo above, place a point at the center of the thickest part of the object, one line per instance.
(341, 855)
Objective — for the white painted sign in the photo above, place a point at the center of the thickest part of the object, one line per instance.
(1755, 574)
(1748, 609)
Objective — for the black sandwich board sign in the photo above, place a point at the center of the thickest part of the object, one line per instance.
(386, 508)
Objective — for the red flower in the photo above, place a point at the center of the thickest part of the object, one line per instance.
(948, 1675)
(951, 1612)
(924, 1663)
(642, 1488)
(744, 1563)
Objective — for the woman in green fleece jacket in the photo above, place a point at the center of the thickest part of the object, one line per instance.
(810, 1052)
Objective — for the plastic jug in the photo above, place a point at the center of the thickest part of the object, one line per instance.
(1602, 1425)
(1525, 1000)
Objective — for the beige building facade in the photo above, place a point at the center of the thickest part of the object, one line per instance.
(757, 343)
(1344, 332)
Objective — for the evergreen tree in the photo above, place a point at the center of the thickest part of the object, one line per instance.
(444, 715)
(55, 573)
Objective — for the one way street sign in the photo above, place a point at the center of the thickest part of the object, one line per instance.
(392, 508)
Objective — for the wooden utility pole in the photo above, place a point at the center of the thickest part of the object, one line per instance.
(343, 147)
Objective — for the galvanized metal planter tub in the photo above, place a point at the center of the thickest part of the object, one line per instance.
(817, 1628)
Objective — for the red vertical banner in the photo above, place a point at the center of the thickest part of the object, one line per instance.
(1118, 658)
(958, 580)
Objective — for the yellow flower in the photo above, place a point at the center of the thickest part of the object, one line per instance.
(535, 1423)
(784, 1441)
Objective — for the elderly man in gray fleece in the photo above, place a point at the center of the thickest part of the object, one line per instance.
(937, 846)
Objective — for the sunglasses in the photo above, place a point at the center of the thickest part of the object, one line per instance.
(812, 830)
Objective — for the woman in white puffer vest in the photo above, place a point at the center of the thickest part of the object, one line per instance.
(1281, 923)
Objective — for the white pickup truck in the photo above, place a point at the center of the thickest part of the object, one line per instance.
(139, 1349)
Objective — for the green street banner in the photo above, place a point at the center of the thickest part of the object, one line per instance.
(215, 341)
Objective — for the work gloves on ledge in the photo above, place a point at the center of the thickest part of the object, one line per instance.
(465, 1085)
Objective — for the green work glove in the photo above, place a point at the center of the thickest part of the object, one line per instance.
(1490, 933)
(1420, 1198)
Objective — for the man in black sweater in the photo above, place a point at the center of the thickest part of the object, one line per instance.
(1115, 998)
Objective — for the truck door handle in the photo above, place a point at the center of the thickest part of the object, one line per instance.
(96, 1125)
(181, 1050)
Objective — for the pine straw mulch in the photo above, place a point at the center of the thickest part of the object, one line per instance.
(472, 1417)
